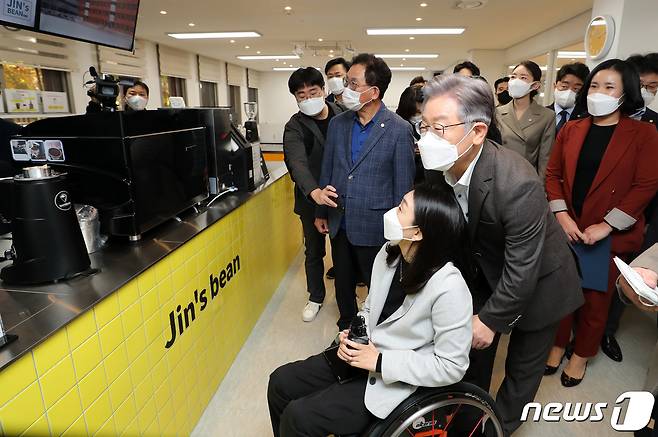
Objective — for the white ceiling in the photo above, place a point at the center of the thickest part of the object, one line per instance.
(498, 25)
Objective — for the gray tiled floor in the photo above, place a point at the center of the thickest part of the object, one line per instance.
(239, 407)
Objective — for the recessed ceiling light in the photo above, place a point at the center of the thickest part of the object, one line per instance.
(330, 55)
(331, 51)
(191, 24)
(289, 65)
(404, 59)
(417, 31)
(247, 47)
(277, 59)
(287, 8)
(406, 50)
(400, 55)
(419, 19)
(214, 35)
(163, 12)
(423, 5)
(470, 4)
(266, 57)
(320, 39)
(283, 69)
(408, 68)
(232, 41)
(401, 65)
(258, 52)
(412, 37)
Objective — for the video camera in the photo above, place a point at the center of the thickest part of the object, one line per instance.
(106, 89)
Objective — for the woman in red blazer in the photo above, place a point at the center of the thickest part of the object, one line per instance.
(600, 177)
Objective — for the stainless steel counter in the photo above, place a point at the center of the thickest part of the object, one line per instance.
(35, 312)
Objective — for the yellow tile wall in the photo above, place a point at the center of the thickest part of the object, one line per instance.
(108, 372)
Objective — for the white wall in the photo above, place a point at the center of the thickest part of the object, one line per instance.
(151, 75)
(85, 56)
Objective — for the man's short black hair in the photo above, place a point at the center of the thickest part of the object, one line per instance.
(644, 63)
(377, 72)
(499, 81)
(336, 61)
(137, 83)
(578, 69)
(302, 77)
(475, 71)
(417, 80)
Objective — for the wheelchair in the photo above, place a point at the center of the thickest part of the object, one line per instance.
(458, 410)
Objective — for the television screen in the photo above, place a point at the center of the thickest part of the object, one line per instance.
(18, 13)
(105, 22)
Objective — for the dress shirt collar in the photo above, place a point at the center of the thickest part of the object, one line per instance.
(465, 180)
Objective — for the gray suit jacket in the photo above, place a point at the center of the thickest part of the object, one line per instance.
(303, 147)
(424, 343)
(532, 136)
(519, 246)
(649, 260)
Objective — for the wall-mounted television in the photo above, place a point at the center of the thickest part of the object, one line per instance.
(19, 13)
(105, 22)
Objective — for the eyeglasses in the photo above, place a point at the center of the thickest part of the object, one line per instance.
(652, 87)
(422, 127)
(352, 84)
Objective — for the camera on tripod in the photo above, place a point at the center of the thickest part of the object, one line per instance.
(106, 89)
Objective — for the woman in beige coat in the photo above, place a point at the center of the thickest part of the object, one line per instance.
(527, 127)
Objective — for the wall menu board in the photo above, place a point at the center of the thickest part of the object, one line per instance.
(19, 13)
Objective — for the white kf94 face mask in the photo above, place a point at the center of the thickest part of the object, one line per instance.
(311, 107)
(566, 99)
(335, 85)
(647, 96)
(518, 88)
(352, 99)
(393, 230)
(437, 153)
(599, 104)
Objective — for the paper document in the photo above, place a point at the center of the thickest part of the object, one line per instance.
(648, 295)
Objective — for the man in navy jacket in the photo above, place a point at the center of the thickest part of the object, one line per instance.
(367, 167)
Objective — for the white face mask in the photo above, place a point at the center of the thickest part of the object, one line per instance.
(566, 99)
(437, 153)
(393, 230)
(648, 96)
(137, 102)
(311, 107)
(335, 85)
(518, 88)
(599, 104)
(352, 99)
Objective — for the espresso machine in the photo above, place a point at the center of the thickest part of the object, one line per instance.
(47, 244)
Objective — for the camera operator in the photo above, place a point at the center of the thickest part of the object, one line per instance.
(135, 98)
(418, 316)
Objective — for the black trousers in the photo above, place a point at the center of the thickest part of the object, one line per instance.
(314, 252)
(305, 400)
(524, 368)
(349, 261)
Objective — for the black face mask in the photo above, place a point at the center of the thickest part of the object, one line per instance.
(503, 97)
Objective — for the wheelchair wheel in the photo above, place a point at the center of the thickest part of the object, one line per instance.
(459, 410)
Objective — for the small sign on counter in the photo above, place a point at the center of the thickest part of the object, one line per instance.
(22, 100)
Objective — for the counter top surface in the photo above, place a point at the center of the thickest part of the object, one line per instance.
(33, 313)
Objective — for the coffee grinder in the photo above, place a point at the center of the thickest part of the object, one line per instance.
(251, 126)
(47, 244)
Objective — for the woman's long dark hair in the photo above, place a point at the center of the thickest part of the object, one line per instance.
(445, 237)
(632, 100)
(409, 99)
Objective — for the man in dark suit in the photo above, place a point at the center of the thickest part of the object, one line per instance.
(336, 71)
(368, 166)
(647, 68)
(303, 146)
(526, 279)
(568, 83)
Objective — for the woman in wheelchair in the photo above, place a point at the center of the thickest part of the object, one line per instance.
(418, 318)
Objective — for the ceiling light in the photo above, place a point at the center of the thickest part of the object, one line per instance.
(401, 65)
(419, 19)
(247, 47)
(423, 5)
(404, 59)
(258, 52)
(232, 41)
(331, 51)
(416, 56)
(214, 35)
(571, 54)
(412, 37)
(470, 4)
(289, 65)
(417, 31)
(266, 57)
(320, 39)
(287, 8)
(191, 24)
(163, 12)
(408, 68)
(406, 50)
(283, 69)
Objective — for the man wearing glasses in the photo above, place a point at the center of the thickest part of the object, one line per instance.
(525, 278)
(367, 167)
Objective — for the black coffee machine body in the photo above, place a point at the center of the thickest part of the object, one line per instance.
(47, 244)
(135, 168)
(233, 161)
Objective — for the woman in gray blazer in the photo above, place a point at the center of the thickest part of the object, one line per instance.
(418, 318)
(527, 127)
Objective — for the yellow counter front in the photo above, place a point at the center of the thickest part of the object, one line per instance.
(147, 359)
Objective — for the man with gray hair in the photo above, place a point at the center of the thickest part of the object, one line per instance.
(526, 275)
